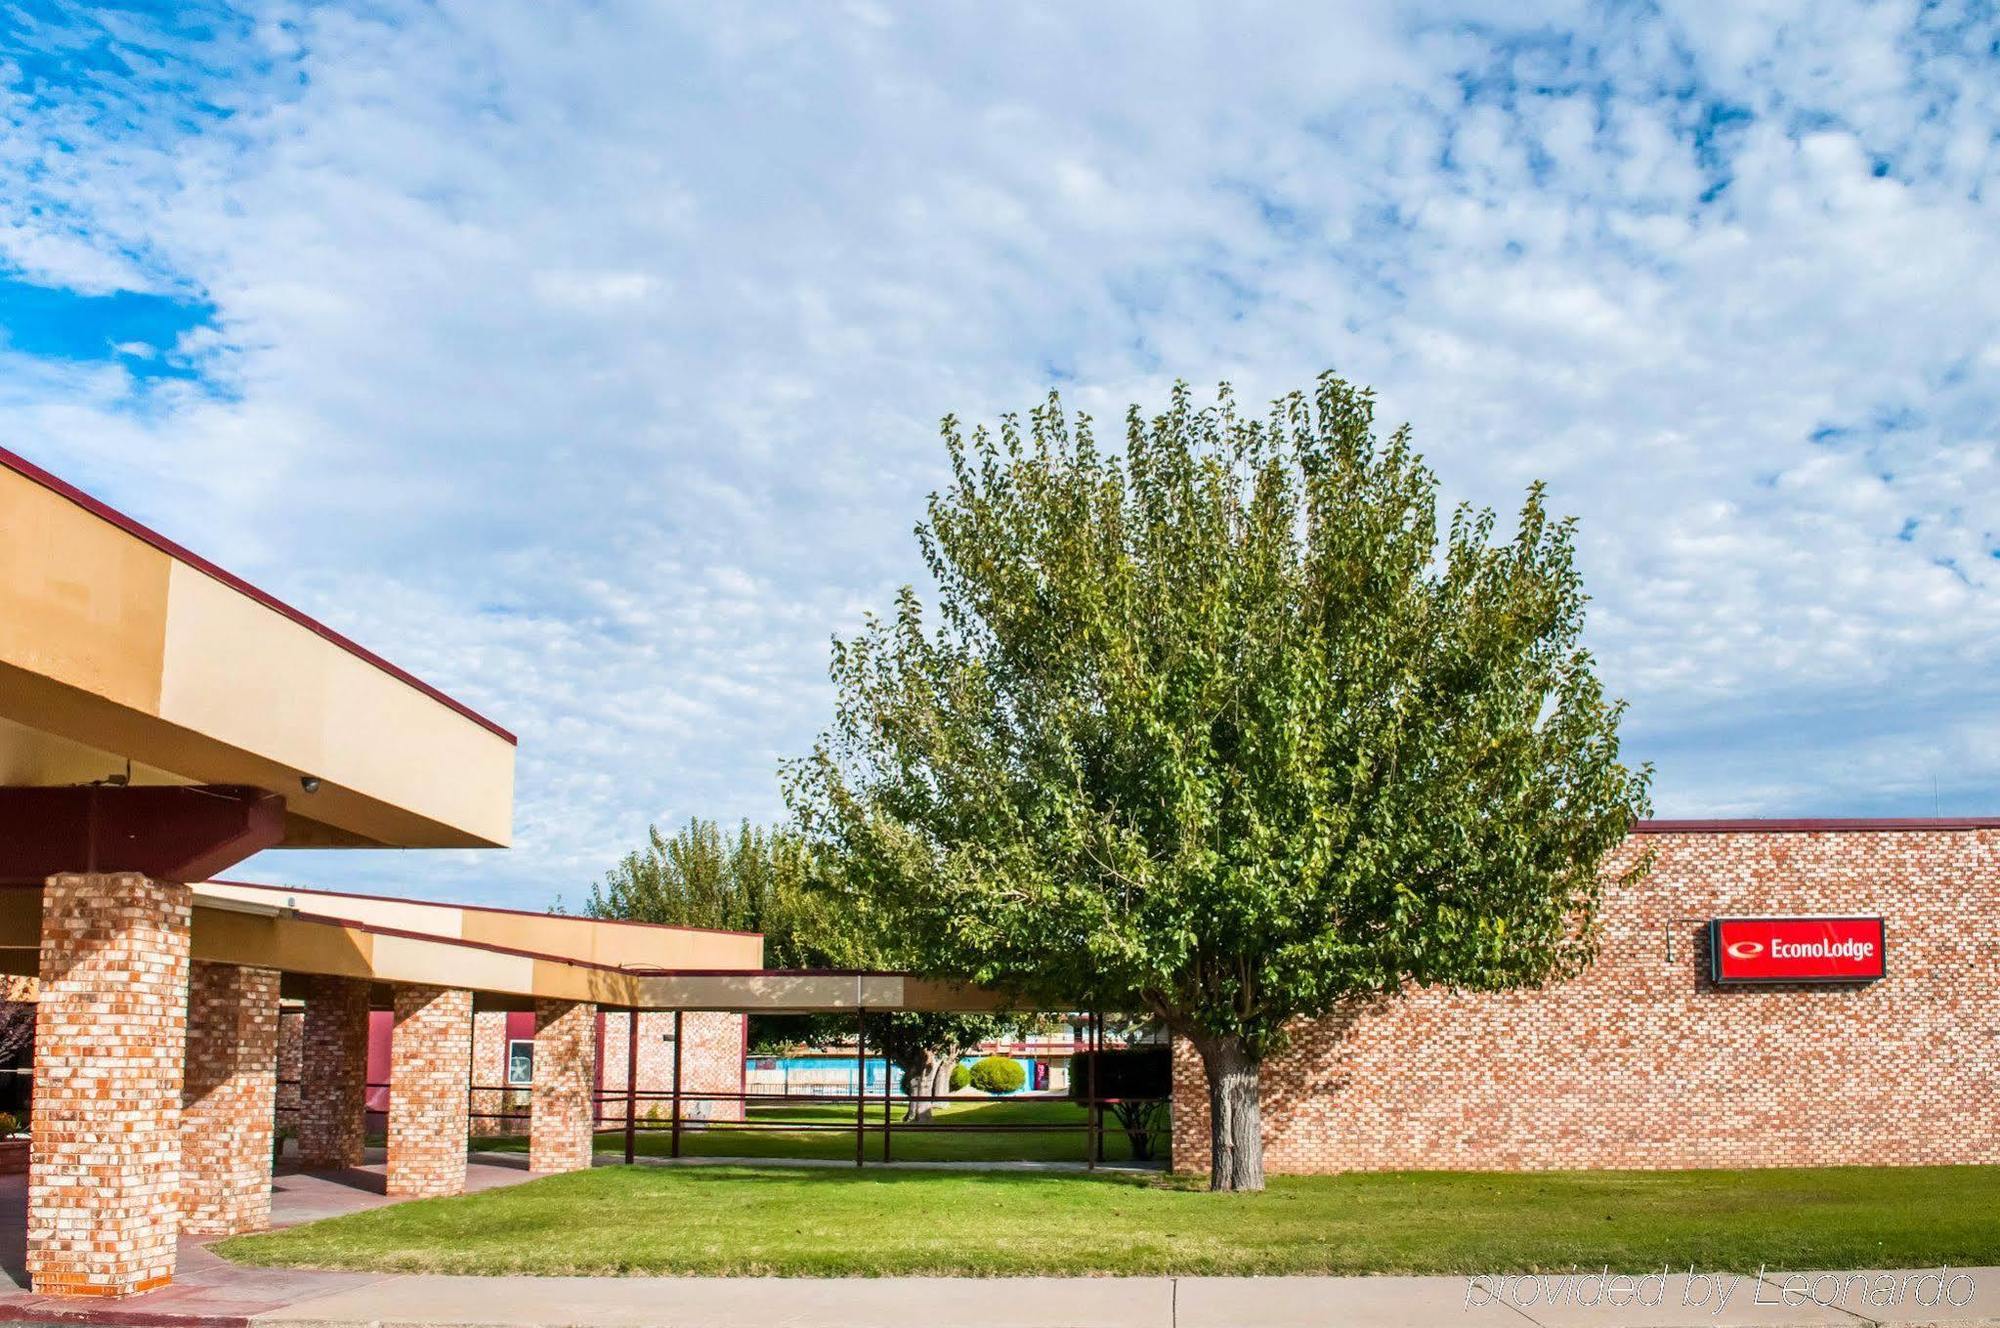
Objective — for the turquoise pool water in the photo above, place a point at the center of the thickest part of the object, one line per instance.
(836, 1074)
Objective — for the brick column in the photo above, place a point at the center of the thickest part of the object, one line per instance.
(711, 1062)
(229, 1100)
(110, 1032)
(333, 1074)
(565, 1078)
(429, 1065)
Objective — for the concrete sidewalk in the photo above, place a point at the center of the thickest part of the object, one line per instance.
(1145, 1302)
(411, 1301)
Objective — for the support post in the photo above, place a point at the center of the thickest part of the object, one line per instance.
(429, 1107)
(561, 1102)
(888, 1103)
(1099, 1095)
(860, 1083)
(677, 1082)
(228, 1099)
(472, 1076)
(1093, 1042)
(333, 1074)
(103, 1206)
(631, 1086)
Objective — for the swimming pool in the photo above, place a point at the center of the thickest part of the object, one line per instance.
(833, 1076)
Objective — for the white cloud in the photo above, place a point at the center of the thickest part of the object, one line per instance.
(587, 362)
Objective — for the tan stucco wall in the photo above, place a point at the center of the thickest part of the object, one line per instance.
(591, 940)
(283, 692)
(80, 600)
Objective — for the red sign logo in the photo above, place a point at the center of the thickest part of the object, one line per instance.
(1797, 949)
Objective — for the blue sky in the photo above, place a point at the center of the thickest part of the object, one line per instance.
(587, 360)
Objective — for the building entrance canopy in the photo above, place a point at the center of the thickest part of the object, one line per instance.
(161, 720)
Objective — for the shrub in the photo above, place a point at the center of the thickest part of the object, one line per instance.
(9, 1123)
(998, 1074)
(960, 1076)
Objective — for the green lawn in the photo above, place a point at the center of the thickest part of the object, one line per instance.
(907, 1144)
(742, 1220)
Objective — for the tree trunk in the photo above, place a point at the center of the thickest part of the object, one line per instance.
(941, 1074)
(1235, 1118)
(932, 1076)
(1138, 1122)
(917, 1076)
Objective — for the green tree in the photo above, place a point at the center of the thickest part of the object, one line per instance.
(754, 880)
(926, 1046)
(923, 1044)
(1226, 731)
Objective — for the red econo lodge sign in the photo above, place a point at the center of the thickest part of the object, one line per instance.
(1796, 949)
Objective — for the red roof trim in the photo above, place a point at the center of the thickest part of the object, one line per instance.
(1816, 825)
(103, 511)
(479, 908)
(773, 973)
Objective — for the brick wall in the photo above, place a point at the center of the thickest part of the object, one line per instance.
(427, 1100)
(1642, 1062)
(111, 1024)
(227, 1100)
(333, 1071)
(711, 1062)
(501, 1110)
(565, 1084)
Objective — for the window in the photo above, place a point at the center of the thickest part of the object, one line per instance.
(520, 1062)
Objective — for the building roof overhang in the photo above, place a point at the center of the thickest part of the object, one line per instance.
(507, 958)
(121, 649)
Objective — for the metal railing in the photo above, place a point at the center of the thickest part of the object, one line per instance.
(620, 1108)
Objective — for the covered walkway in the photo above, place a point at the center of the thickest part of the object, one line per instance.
(162, 720)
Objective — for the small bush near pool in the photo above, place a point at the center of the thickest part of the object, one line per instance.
(960, 1076)
(998, 1074)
